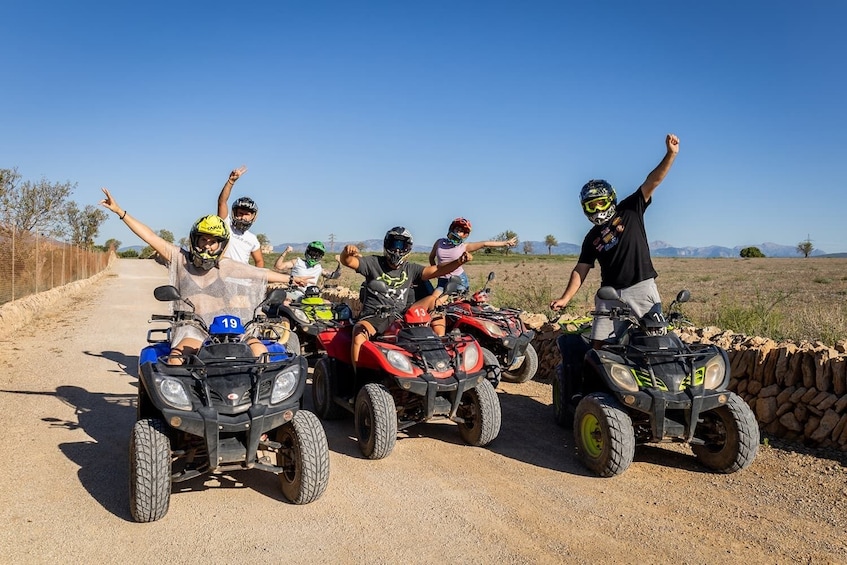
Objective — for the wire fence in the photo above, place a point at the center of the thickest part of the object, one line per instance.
(31, 263)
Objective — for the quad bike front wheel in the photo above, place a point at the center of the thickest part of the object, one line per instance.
(730, 434)
(605, 439)
(304, 456)
(563, 412)
(526, 370)
(480, 410)
(376, 421)
(324, 388)
(149, 470)
(491, 366)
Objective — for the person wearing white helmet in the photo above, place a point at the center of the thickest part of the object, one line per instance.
(243, 244)
(618, 241)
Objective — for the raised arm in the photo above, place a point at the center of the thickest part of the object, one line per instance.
(150, 237)
(435, 271)
(477, 245)
(350, 257)
(657, 175)
(223, 197)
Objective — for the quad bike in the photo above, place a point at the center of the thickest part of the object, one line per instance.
(499, 331)
(406, 376)
(299, 320)
(221, 410)
(650, 387)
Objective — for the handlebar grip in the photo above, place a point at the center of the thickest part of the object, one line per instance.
(166, 317)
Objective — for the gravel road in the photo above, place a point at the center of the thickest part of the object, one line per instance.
(67, 393)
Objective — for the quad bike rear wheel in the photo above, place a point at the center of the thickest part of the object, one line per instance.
(376, 421)
(304, 456)
(324, 388)
(731, 436)
(149, 470)
(605, 439)
(480, 410)
(526, 370)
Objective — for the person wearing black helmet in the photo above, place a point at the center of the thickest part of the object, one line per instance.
(243, 244)
(399, 275)
(618, 241)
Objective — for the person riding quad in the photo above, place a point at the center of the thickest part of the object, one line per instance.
(204, 275)
(308, 268)
(380, 309)
(243, 243)
(618, 241)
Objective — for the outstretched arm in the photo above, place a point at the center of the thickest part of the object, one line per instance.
(477, 245)
(658, 174)
(223, 197)
(433, 271)
(580, 271)
(150, 237)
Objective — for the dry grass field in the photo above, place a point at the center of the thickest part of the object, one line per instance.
(792, 299)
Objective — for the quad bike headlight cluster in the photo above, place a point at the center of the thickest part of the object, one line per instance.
(471, 357)
(284, 384)
(715, 372)
(398, 360)
(493, 328)
(623, 377)
(174, 393)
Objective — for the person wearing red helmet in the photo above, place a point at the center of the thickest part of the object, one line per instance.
(244, 244)
(448, 248)
(618, 241)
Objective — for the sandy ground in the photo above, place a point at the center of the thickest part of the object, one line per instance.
(67, 392)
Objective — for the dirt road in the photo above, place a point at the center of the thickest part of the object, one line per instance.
(67, 391)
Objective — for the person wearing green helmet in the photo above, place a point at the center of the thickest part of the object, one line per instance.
(307, 268)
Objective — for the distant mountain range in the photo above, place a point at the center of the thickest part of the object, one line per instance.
(657, 249)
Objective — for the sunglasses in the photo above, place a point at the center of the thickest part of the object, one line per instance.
(597, 205)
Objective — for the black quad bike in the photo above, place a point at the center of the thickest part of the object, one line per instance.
(650, 387)
(222, 410)
(500, 331)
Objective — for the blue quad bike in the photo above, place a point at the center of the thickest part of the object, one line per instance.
(650, 387)
(222, 410)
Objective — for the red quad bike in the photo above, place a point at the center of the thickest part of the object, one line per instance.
(500, 332)
(406, 376)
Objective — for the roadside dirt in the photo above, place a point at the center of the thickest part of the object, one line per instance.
(67, 392)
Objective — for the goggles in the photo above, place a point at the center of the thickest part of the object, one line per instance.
(597, 205)
(399, 244)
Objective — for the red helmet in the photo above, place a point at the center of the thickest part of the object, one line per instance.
(460, 223)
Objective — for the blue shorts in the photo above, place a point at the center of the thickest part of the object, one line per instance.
(463, 286)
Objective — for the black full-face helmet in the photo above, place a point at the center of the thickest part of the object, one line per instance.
(396, 246)
(248, 204)
(212, 226)
(598, 201)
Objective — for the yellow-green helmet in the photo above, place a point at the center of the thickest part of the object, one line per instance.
(213, 226)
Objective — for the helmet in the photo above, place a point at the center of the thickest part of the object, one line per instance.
(244, 203)
(212, 226)
(314, 253)
(455, 226)
(598, 200)
(312, 291)
(396, 246)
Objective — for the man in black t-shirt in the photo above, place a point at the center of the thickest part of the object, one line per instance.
(379, 308)
(618, 241)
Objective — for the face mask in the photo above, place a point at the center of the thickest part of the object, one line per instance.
(454, 238)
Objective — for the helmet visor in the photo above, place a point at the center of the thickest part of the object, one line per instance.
(398, 244)
(597, 205)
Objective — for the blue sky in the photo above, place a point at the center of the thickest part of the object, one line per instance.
(353, 117)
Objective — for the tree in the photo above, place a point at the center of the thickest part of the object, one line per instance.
(527, 247)
(748, 252)
(149, 253)
(805, 248)
(83, 225)
(263, 239)
(551, 242)
(25, 206)
(503, 236)
(363, 246)
(113, 243)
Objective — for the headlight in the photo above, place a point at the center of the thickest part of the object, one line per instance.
(301, 316)
(715, 372)
(623, 377)
(470, 357)
(493, 329)
(397, 360)
(284, 384)
(174, 393)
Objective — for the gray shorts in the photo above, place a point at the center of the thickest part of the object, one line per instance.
(182, 331)
(643, 297)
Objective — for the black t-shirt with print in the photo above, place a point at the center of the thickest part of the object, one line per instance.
(399, 283)
(620, 245)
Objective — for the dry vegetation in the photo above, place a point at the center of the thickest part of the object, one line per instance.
(792, 299)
